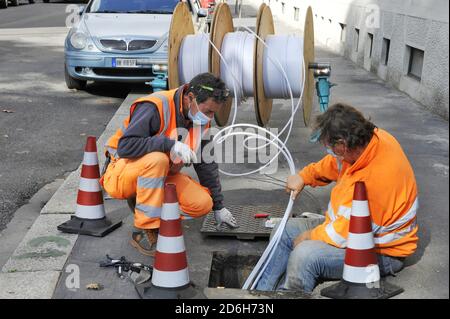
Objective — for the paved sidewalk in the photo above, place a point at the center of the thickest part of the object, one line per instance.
(37, 268)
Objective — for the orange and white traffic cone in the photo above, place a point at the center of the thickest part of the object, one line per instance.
(361, 275)
(170, 278)
(90, 218)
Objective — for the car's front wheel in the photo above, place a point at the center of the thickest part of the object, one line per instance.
(3, 4)
(30, 1)
(73, 83)
(14, 3)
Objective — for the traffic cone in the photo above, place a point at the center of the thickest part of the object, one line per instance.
(170, 278)
(361, 276)
(90, 218)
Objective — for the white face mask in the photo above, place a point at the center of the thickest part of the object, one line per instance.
(199, 118)
(330, 151)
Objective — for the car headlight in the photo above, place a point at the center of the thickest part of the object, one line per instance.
(78, 40)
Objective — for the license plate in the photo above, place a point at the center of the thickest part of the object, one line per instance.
(123, 63)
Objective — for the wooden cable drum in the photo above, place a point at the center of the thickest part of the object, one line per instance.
(222, 24)
(308, 54)
(180, 26)
(264, 27)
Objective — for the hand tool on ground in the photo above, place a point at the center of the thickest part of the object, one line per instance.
(137, 272)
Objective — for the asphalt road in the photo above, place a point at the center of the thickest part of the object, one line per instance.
(43, 125)
(36, 15)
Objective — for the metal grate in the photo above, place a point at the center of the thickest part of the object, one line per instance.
(249, 226)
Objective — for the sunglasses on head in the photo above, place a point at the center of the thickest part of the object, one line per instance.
(218, 93)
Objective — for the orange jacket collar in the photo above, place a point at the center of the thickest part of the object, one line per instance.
(367, 156)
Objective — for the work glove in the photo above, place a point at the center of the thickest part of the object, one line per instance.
(224, 216)
(183, 152)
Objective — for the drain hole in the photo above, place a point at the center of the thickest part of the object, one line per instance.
(230, 270)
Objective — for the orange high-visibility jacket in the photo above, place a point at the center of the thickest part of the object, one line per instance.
(165, 103)
(391, 190)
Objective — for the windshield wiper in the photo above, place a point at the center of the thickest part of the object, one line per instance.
(151, 11)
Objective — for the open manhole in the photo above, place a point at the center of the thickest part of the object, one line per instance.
(229, 272)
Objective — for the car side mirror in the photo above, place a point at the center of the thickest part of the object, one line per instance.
(81, 10)
(202, 13)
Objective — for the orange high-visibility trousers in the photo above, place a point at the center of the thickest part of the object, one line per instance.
(145, 178)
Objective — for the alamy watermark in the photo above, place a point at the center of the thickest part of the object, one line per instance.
(373, 18)
(73, 17)
(73, 277)
(236, 146)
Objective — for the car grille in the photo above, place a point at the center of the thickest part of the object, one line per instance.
(114, 44)
(131, 72)
(141, 44)
(121, 45)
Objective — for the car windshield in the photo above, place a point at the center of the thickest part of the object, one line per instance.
(133, 6)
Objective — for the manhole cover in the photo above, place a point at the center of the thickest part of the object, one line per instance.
(249, 226)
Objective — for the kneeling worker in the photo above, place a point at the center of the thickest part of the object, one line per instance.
(141, 154)
(314, 248)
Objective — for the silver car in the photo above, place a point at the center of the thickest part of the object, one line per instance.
(123, 41)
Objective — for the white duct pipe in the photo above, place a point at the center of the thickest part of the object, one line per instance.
(193, 57)
(237, 50)
(288, 50)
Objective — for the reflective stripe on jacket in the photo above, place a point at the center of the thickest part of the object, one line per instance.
(391, 190)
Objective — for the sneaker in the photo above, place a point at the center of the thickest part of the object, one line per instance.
(145, 241)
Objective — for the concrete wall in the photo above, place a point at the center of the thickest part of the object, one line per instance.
(422, 24)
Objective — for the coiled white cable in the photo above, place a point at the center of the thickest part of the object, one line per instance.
(258, 270)
(235, 75)
(237, 48)
(193, 57)
(288, 124)
(286, 49)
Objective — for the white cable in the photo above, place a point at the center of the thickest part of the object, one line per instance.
(258, 270)
(237, 49)
(274, 140)
(287, 49)
(289, 122)
(193, 57)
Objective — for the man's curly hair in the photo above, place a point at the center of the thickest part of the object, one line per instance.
(344, 122)
(197, 84)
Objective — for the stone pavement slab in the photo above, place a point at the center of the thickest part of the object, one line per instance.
(44, 248)
(28, 285)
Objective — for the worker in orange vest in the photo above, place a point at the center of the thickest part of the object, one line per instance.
(149, 150)
(313, 248)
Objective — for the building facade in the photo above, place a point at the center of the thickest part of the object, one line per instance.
(404, 42)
